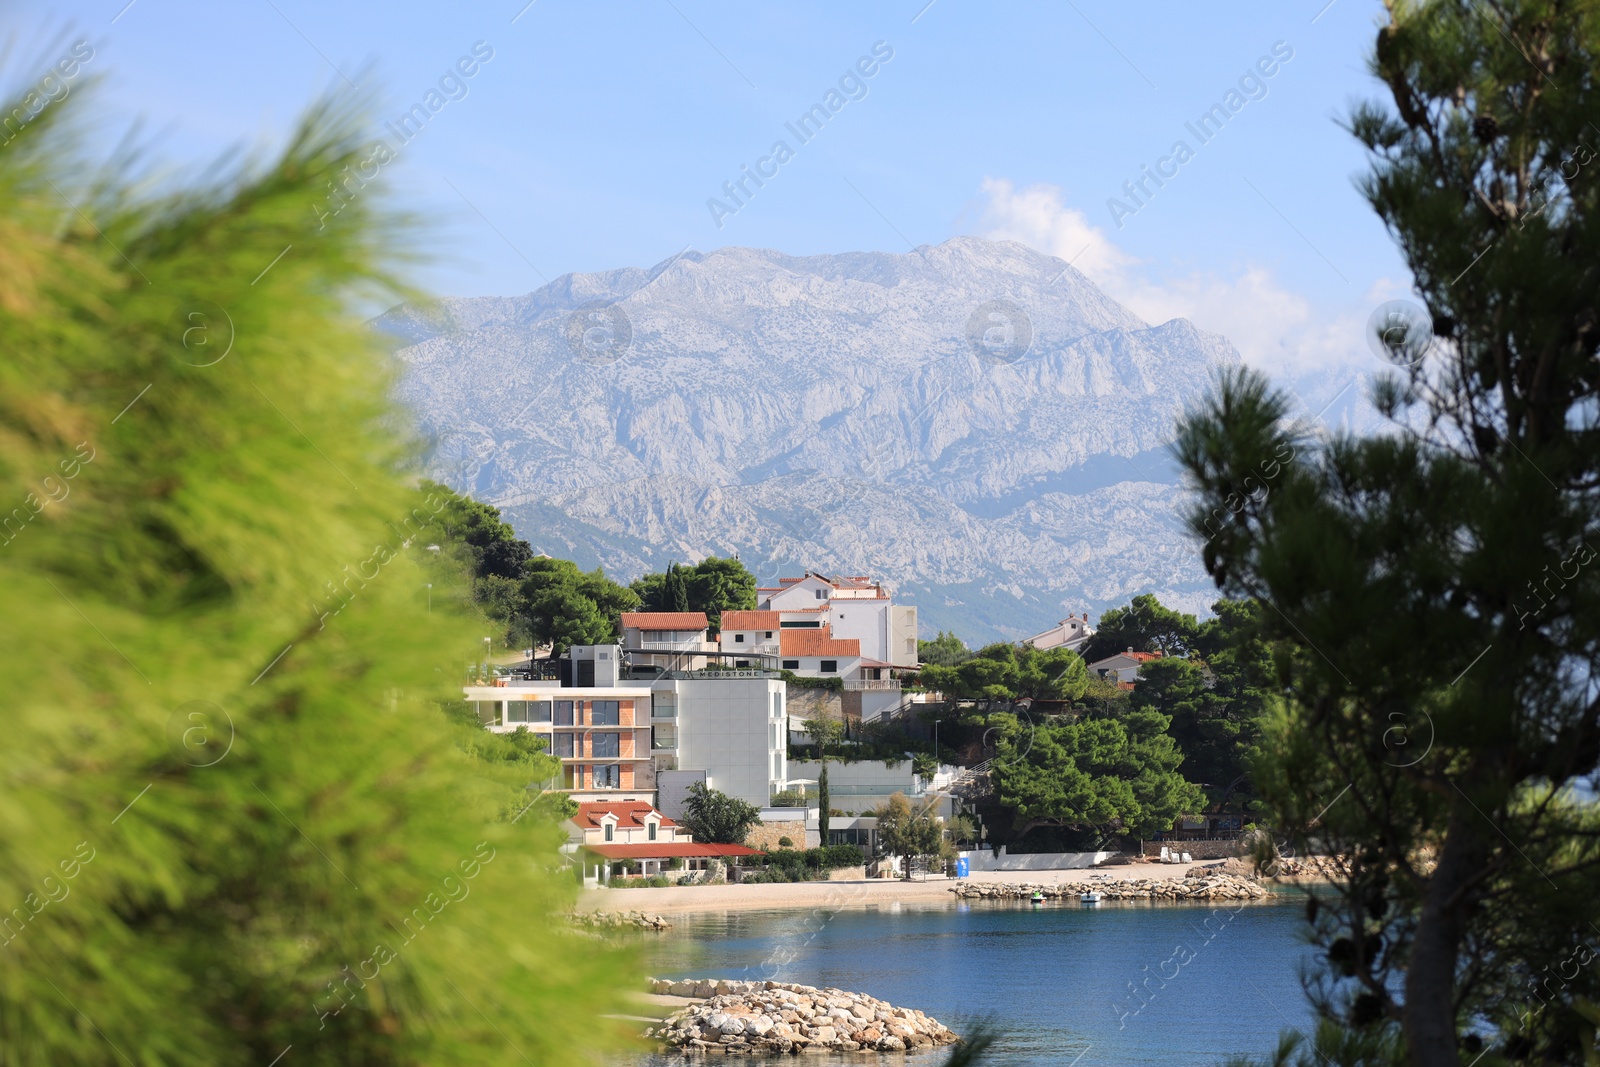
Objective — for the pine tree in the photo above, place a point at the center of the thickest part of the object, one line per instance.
(236, 821)
(1437, 632)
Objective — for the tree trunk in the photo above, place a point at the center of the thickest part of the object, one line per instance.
(1430, 1015)
(823, 800)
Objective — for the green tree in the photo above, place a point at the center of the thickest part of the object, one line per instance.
(1004, 671)
(717, 585)
(909, 831)
(1145, 625)
(1436, 630)
(713, 585)
(255, 830)
(1100, 774)
(826, 731)
(945, 650)
(488, 545)
(713, 817)
(676, 590)
(566, 606)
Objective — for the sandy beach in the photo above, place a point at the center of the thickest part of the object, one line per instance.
(679, 900)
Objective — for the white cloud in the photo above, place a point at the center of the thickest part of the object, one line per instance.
(1037, 217)
(1279, 331)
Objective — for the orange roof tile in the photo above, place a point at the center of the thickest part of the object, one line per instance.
(628, 813)
(664, 620)
(816, 643)
(749, 620)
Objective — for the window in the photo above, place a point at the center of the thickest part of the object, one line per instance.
(769, 633)
(563, 713)
(777, 705)
(821, 593)
(791, 664)
(800, 624)
(650, 831)
(772, 732)
(563, 745)
(777, 765)
(538, 711)
(608, 776)
(663, 705)
(516, 711)
(830, 666)
(664, 736)
(741, 663)
(738, 639)
(610, 832)
(603, 713)
(605, 745)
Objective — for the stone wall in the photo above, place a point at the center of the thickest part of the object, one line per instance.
(766, 834)
(1200, 850)
(814, 703)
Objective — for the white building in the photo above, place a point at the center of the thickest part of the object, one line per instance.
(667, 639)
(1072, 632)
(854, 608)
(601, 733)
(730, 725)
(1122, 667)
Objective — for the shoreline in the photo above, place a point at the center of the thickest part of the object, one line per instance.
(780, 896)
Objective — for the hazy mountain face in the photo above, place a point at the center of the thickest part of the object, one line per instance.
(975, 423)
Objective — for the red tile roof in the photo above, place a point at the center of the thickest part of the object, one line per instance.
(664, 620)
(749, 620)
(667, 849)
(816, 643)
(1143, 657)
(628, 813)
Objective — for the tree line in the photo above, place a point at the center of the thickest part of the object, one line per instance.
(532, 600)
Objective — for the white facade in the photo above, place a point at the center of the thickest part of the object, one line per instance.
(855, 608)
(733, 727)
(1072, 632)
(1123, 667)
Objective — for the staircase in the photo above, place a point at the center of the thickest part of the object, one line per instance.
(973, 781)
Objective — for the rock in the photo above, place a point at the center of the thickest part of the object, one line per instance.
(1213, 885)
(759, 1018)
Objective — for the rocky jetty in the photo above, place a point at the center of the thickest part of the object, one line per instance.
(1199, 885)
(765, 1018)
(608, 920)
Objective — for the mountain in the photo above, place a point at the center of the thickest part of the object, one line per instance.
(974, 422)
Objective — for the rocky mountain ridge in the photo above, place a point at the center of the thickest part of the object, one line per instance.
(974, 422)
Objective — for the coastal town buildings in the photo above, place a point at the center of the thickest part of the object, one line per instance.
(1072, 632)
(614, 734)
(1123, 667)
(670, 640)
(852, 608)
(633, 836)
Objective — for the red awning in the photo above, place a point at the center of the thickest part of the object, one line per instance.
(668, 850)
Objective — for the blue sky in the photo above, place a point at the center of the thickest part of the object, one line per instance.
(597, 133)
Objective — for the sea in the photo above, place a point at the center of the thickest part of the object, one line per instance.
(1063, 984)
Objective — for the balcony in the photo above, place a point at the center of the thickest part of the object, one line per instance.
(872, 683)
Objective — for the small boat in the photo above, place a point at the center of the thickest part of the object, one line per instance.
(1037, 898)
(1093, 896)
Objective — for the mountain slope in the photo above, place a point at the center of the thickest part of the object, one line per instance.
(974, 422)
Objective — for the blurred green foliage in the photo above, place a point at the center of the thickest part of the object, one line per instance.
(235, 820)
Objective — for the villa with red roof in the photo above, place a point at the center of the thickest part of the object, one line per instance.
(1123, 668)
(855, 608)
(635, 834)
(671, 640)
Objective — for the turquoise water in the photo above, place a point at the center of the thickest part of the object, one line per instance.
(1055, 980)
